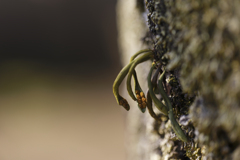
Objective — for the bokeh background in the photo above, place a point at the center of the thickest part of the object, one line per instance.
(58, 60)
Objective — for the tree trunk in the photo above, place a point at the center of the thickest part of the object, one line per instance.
(200, 40)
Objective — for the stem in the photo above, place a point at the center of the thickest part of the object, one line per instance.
(120, 100)
(138, 53)
(138, 90)
(156, 101)
(141, 59)
(177, 129)
(149, 106)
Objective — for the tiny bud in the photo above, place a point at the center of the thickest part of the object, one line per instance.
(137, 91)
(144, 99)
(144, 105)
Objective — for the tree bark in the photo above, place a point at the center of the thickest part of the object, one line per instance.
(200, 40)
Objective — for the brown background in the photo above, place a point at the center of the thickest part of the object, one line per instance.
(58, 60)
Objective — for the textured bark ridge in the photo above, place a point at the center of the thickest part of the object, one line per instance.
(199, 44)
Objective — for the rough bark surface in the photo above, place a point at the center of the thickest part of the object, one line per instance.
(198, 42)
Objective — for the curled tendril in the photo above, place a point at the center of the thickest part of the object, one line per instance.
(123, 73)
(154, 87)
(120, 100)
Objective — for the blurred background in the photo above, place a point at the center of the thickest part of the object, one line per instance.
(58, 61)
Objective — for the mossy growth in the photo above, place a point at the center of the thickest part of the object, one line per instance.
(198, 43)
